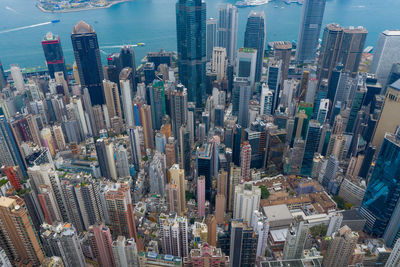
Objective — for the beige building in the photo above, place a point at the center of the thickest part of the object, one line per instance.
(20, 240)
(389, 118)
(177, 176)
(341, 248)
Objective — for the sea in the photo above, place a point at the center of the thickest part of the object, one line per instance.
(153, 22)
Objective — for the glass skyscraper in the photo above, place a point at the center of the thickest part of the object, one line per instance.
(227, 30)
(310, 28)
(191, 37)
(87, 56)
(312, 142)
(254, 37)
(54, 55)
(381, 205)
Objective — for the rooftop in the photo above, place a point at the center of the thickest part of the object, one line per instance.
(82, 27)
(277, 212)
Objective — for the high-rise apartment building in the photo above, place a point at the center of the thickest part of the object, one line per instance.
(54, 54)
(62, 240)
(247, 200)
(19, 240)
(174, 235)
(254, 37)
(101, 243)
(206, 255)
(177, 176)
(179, 106)
(191, 40)
(295, 240)
(219, 62)
(310, 29)
(88, 61)
(125, 252)
(228, 30)
(201, 195)
(245, 161)
(341, 248)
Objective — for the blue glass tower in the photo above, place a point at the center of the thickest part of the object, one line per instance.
(312, 142)
(381, 205)
(254, 37)
(310, 28)
(9, 152)
(191, 37)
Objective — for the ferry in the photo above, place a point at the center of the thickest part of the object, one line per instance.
(368, 49)
(55, 21)
(247, 3)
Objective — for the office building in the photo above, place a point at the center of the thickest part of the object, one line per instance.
(243, 245)
(19, 239)
(245, 94)
(205, 162)
(312, 142)
(125, 252)
(147, 125)
(254, 37)
(101, 243)
(105, 157)
(88, 61)
(394, 258)
(211, 38)
(247, 200)
(157, 103)
(274, 80)
(185, 150)
(179, 107)
(380, 206)
(54, 54)
(191, 40)
(387, 123)
(219, 62)
(283, 52)
(341, 248)
(310, 29)
(125, 80)
(227, 30)
(341, 46)
(385, 55)
(62, 240)
(246, 64)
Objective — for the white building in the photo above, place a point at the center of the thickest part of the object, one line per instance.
(247, 200)
(267, 98)
(219, 62)
(125, 252)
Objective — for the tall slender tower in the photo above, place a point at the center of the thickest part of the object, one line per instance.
(101, 242)
(211, 37)
(227, 30)
(88, 60)
(341, 248)
(254, 37)
(19, 239)
(54, 54)
(310, 28)
(245, 161)
(191, 37)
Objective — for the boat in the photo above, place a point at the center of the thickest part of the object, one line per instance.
(368, 49)
(55, 21)
(247, 3)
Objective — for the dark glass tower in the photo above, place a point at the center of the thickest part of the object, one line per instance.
(310, 28)
(87, 56)
(312, 142)
(191, 37)
(254, 37)
(54, 55)
(3, 80)
(381, 206)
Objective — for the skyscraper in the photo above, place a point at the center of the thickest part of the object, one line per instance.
(179, 106)
(211, 36)
(120, 211)
(394, 258)
(62, 240)
(295, 240)
(19, 239)
(387, 122)
(191, 37)
(381, 205)
(246, 64)
(126, 83)
(54, 54)
(157, 100)
(254, 37)
(113, 101)
(309, 31)
(101, 242)
(177, 176)
(228, 29)
(3, 79)
(125, 252)
(243, 247)
(88, 60)
(341, 248)
(245, 161)
(247, 200)
(219, 62)
(385, 55)
(312, 142)
(341, 45)
(201, 195)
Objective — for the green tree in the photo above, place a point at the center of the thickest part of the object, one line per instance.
(264, 192)
(319, 230)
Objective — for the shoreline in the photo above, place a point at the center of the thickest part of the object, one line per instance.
(81, 8)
